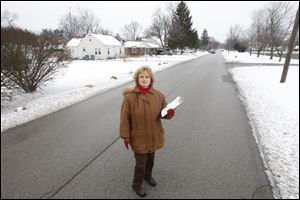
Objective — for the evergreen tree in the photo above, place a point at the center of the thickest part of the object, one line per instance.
(204, 39)
(181, 34)
(176, 36)
(195, 43)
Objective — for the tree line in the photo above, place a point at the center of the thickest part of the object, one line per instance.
(270, 28)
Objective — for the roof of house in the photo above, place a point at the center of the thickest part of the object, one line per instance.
(136, 44)
(107, 39)
(154, 40)
(74, 42)
(151, 45)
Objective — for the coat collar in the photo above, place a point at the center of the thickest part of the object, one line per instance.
(144, 96)
(150, 91)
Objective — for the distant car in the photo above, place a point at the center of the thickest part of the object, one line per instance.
(169, 53)
(212, 51)
(86, 57)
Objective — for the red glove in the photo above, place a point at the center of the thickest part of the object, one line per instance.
(127, 143)
(171, 112)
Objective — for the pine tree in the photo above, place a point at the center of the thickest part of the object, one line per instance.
(204, 39)
(176, 36)
(195, 43)
(182, 35)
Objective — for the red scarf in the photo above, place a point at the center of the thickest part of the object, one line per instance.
(143, 90)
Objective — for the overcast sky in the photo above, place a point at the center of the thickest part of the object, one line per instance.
(215, 16)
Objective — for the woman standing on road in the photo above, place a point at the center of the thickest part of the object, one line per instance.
(141, 127)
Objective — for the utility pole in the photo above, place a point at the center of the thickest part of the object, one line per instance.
(290, 48)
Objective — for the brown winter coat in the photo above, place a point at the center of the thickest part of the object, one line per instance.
(140, 120)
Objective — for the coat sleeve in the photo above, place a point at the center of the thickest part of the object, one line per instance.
(125, 120)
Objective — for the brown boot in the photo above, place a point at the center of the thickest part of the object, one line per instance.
(140, 191)
(151, 181)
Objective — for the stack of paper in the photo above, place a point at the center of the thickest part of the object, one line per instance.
(175, 103)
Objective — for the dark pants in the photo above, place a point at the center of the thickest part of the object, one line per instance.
(143, 168)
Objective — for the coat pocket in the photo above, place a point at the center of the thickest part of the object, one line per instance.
(138, 140)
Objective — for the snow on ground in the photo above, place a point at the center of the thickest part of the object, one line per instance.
(236, 57)
(273, 110)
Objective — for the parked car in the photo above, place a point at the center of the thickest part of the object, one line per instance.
(86, 57)
(212, 51)
(169, 53)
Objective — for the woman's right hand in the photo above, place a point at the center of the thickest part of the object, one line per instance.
(127, 143)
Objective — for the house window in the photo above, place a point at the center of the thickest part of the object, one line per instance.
(95, 51)
(83, 49)
(99, 51)
(108, 51)
(133, 50)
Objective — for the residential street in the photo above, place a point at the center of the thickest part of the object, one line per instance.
(209, 151)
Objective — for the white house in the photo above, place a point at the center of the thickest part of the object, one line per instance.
(73, 49)
(95, 46)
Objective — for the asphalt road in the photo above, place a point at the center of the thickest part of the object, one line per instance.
(76, 152)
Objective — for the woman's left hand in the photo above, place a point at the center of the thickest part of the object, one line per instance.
(171, 113)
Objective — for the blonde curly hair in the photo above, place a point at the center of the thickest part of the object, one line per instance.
(141, 70)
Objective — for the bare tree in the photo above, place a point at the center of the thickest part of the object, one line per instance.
(161, 24)
(55, 36)
(261, 29)
(104, 31)
(28, 60)
(160, 27)
(70, 25)
(148, 32)
(77, 25)
(250, 35)
(88, 22)
(132, 30)
(233, 35)
(170, 10)
(281, 41)
(213, 43)
(8, 18)
(280, 22)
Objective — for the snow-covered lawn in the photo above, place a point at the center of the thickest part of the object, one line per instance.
(273, 110)
(236, 57)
